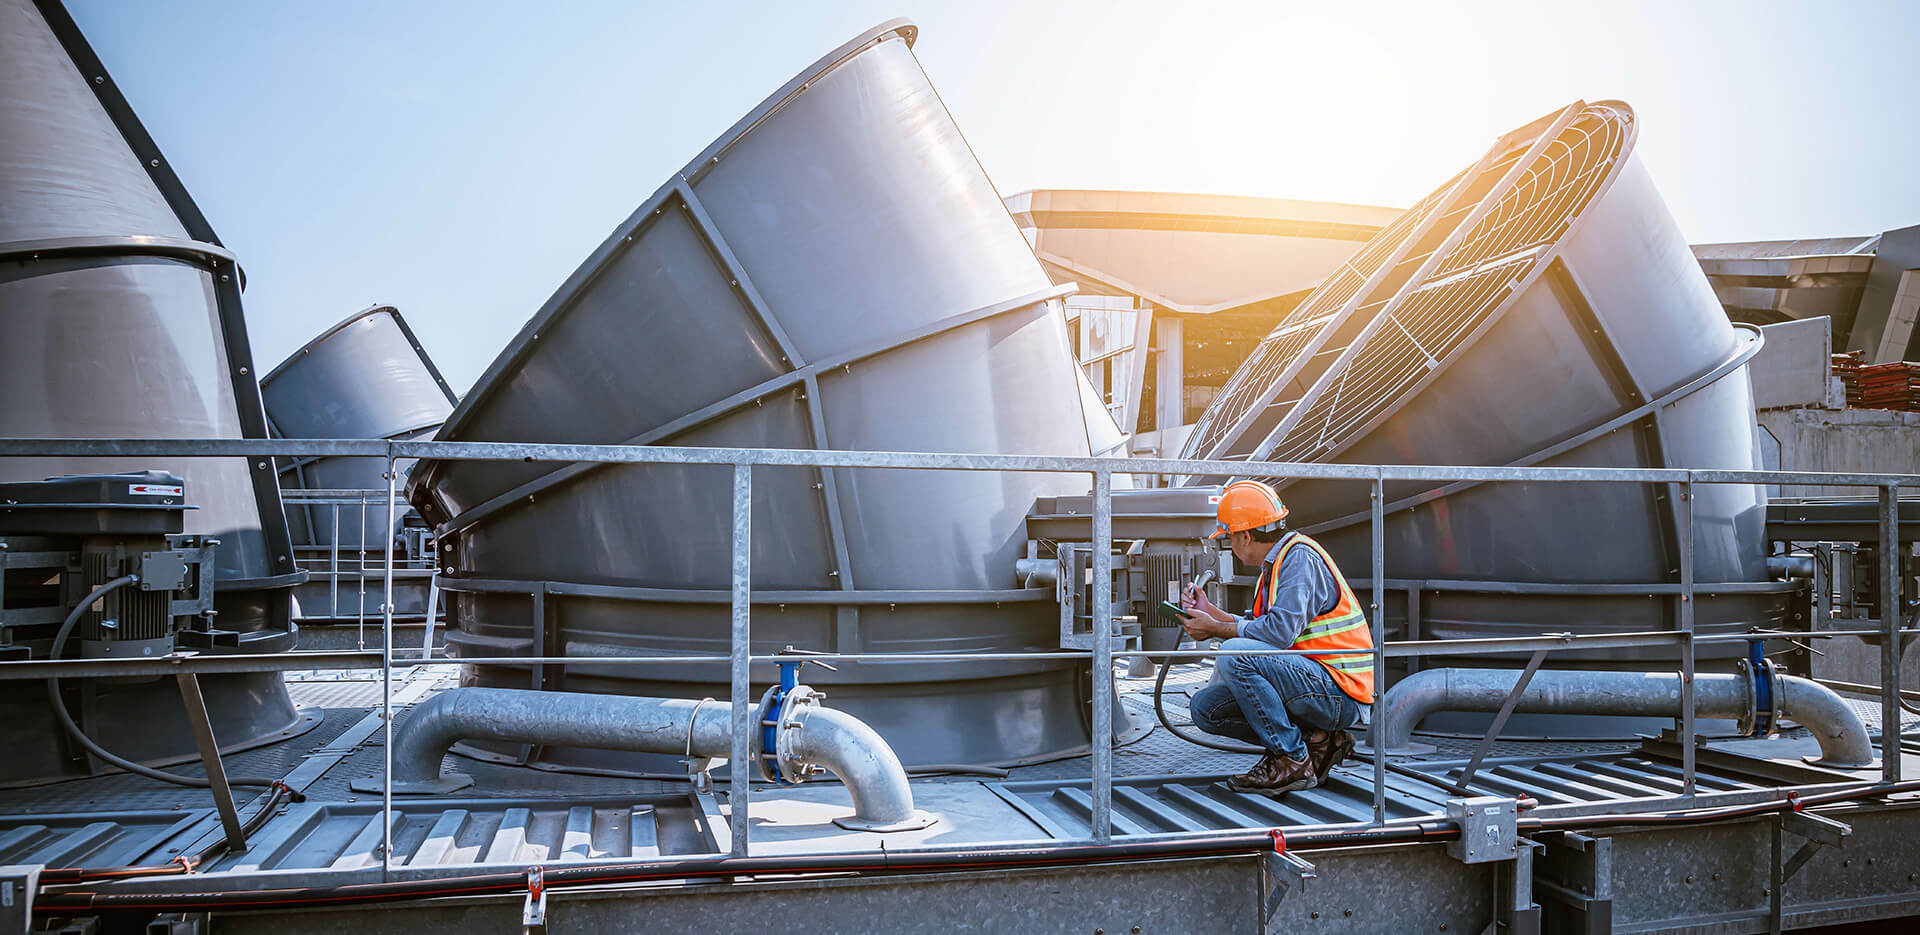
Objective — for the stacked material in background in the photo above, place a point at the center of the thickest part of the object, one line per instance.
(1847, 368)
(1890, 386)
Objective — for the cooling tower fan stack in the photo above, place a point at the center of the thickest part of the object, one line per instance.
(1540, 309)
(836, 271)
(365, 377)
(120, 318)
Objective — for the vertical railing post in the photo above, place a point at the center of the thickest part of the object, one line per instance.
(360, 608)
(386, 672)
(333, 567)
(1890, 747)
(741, 764)
(1102, 605)
(1687, 725)
(1377, 617)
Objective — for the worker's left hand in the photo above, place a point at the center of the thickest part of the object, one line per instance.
(1199, 626)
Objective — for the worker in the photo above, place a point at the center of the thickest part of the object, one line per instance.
(1297, 707)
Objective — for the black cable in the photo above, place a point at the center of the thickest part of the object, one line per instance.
(1160, 711)
(72, 728)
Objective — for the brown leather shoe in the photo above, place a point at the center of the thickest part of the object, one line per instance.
(1275, 774)
(1326, 750)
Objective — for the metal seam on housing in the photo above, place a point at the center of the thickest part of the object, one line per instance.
(712, 411)
(1732, 363)
(756, 304)
(201, 251)
(494, 585)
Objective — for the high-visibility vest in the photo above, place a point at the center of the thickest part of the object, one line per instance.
(1343, 627)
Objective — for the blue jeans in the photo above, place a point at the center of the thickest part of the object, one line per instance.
(1263, 699)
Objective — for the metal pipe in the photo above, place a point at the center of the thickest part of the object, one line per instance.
(1843, 738)
(809, 736)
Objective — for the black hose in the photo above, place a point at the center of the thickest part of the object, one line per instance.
(957, 769)
(72, 728)
(68, 901)
(1160, 711)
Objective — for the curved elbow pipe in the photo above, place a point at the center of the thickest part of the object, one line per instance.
(816, 736)
(1843, 738)
(851, 750)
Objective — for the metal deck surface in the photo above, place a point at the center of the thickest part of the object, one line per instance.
(515, 815)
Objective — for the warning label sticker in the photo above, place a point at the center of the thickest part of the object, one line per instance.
(156, 490)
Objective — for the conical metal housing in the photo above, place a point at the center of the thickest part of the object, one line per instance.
(1541, 308)
(120, 318)
(835, 272)
(365, 377)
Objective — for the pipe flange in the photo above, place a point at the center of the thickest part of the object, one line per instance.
(793, 705)
(919, 820)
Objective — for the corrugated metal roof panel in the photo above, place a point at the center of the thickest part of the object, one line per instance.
(92, 839)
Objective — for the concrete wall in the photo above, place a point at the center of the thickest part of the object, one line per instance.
(1839, 440)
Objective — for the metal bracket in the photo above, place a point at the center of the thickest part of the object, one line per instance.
(1279, 870)
(196, 707)
(533, 915)
(1463, 786)
(1819, 832)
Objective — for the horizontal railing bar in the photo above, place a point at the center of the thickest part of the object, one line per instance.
(199, 664)
(798, 457)
(14, 670)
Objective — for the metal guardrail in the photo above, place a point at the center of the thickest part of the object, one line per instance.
(355, 570)
(743, 460)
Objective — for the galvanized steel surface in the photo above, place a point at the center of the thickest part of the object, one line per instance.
(1843, 738)
(836, 273)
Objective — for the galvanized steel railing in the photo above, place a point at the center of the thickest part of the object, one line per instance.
(743, 460)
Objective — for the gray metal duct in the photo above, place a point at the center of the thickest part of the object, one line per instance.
(1540, 308)
(120, 318)
(365, 377)
(810, 736)
(1843, 738)
(835, 272)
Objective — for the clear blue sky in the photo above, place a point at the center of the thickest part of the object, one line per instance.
(458, 160)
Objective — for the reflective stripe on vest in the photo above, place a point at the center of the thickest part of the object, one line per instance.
(1342, 628)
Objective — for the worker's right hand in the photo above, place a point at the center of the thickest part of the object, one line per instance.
(1195, 599)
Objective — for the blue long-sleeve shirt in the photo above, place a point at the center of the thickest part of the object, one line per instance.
(1306, 590)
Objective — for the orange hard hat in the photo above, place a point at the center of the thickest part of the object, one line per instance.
(1248, 504)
